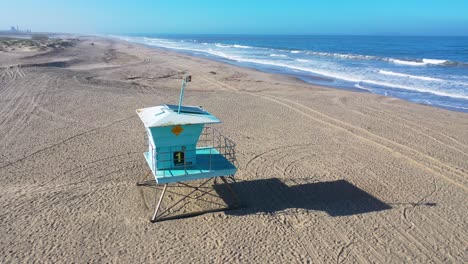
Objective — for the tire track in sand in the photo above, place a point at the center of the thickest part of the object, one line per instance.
(9, 76)
(415, 157)
(405, 122)
(64, 141)
(18, 111)
(403, 119)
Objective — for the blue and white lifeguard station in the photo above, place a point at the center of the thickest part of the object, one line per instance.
(181, 148)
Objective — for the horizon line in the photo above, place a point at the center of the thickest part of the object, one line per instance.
(291, 34)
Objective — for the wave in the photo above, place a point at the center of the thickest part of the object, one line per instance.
(278, 55)
(222, 46)
(220, 54)
(242, 46)
(344, 56)
(409, 76)
(409, 63)
(415, 62)
(302, 60)
(435, 62)
(232, 46)
(426, 62)
(200, 50)
(359, 86)
(303, 69)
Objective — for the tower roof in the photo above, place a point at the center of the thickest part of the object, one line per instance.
(166, 115)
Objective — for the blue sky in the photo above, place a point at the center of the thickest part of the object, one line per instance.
(356, 17)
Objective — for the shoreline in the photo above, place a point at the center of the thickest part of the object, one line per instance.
(359, 176)
(421, 96)
(300, 77)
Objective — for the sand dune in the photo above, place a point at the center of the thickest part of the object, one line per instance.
(325, 175)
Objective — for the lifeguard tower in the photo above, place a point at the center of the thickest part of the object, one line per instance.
(182, 148)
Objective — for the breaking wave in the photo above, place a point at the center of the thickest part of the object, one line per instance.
(278, 55)
(426, 62)
(410, 76)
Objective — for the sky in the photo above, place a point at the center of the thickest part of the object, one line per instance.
(324, 17)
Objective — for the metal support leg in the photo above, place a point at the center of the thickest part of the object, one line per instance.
(162, 215)
(185, 196)
(144, 182)
(231, 190)
(159, 204)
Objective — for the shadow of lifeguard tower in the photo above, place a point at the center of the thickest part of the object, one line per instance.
(181, 148)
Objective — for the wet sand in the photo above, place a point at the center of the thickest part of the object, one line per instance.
(325, 175)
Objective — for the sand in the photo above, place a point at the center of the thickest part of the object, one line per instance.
(325, 175)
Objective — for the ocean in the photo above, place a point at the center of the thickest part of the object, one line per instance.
(425, 70)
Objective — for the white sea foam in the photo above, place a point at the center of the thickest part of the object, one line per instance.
(436, 62)
(343, 56)
(421, 62)
(417, 89)
(232, 46)
(301, 60)
(359, 86)
(332, 74)
(425, 62)
(222, 54)
(242, 46)
(172, 45)
(278, 55)
(295, 51)
(222, 46)
(410, 76)
(405, 62)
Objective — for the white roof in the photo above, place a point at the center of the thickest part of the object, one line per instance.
(166, 115)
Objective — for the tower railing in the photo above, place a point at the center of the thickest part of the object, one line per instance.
(210, 138)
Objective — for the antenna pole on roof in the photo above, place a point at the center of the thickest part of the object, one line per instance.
(185, 80)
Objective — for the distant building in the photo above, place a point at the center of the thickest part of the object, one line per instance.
(15, 31)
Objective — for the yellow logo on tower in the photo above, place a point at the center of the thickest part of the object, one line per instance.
(177, 130)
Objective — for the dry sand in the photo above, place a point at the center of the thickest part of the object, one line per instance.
(325, 175)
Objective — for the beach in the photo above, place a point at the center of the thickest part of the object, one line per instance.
(425, 70)
(324, 175)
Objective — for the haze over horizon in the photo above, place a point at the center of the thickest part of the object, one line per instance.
(335, 17)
